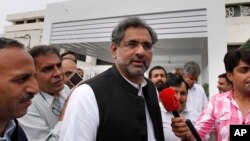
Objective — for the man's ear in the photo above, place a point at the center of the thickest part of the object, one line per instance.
(114, 50)
(229, 76)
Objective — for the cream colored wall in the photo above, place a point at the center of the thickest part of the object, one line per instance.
(237, 30)
(21, 32)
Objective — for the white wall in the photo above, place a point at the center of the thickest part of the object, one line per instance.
(20, 36)
(96, 9)
(91, 9)
(216, 42)
(20, 31)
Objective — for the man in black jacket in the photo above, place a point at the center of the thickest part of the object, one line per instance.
(120, 104)
(17, 88)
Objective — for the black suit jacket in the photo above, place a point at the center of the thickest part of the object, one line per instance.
(122, 111)
(18, 134)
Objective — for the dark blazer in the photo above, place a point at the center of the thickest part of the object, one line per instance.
(122, 111)
(18, 134)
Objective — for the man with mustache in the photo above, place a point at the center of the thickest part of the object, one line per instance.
(43, 119)
(224, 84)
(158, 76)
(17, 88)
(181, 89)
(119, 104)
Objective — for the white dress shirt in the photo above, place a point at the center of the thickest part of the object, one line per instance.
(197, 100)
(166, 121)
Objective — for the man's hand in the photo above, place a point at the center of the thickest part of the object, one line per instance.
(180, 128)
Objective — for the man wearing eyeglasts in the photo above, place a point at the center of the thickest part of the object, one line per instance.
(119, 104)
(43, 119)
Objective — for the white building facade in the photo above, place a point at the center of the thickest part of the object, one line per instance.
(237, 22)
(26, 27)
(186, 28)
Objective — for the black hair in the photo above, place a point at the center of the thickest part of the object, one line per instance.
(7, 42)
(176, 81)
(156, 68)
(224, 75)
(71, 53)
(233, 57)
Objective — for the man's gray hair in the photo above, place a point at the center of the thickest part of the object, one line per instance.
(192, 68)
(43, 50)
(119, 30)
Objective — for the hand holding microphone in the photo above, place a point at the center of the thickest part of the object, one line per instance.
(171, 104)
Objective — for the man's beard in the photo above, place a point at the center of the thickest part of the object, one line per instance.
(160, 86)
(135, 72)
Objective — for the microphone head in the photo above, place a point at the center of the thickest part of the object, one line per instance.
(169, 100)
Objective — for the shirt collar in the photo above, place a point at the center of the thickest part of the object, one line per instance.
(49, 98)
(139, 87)
(62, 95)
(193, 88)
(143, 83)
(230, 94)
(11, 125)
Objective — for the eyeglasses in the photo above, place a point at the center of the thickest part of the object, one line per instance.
(134, 44)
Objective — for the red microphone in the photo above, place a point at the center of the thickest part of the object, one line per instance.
(171, 104)
(169, 101)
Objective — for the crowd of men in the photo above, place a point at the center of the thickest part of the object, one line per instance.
(41, 98)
